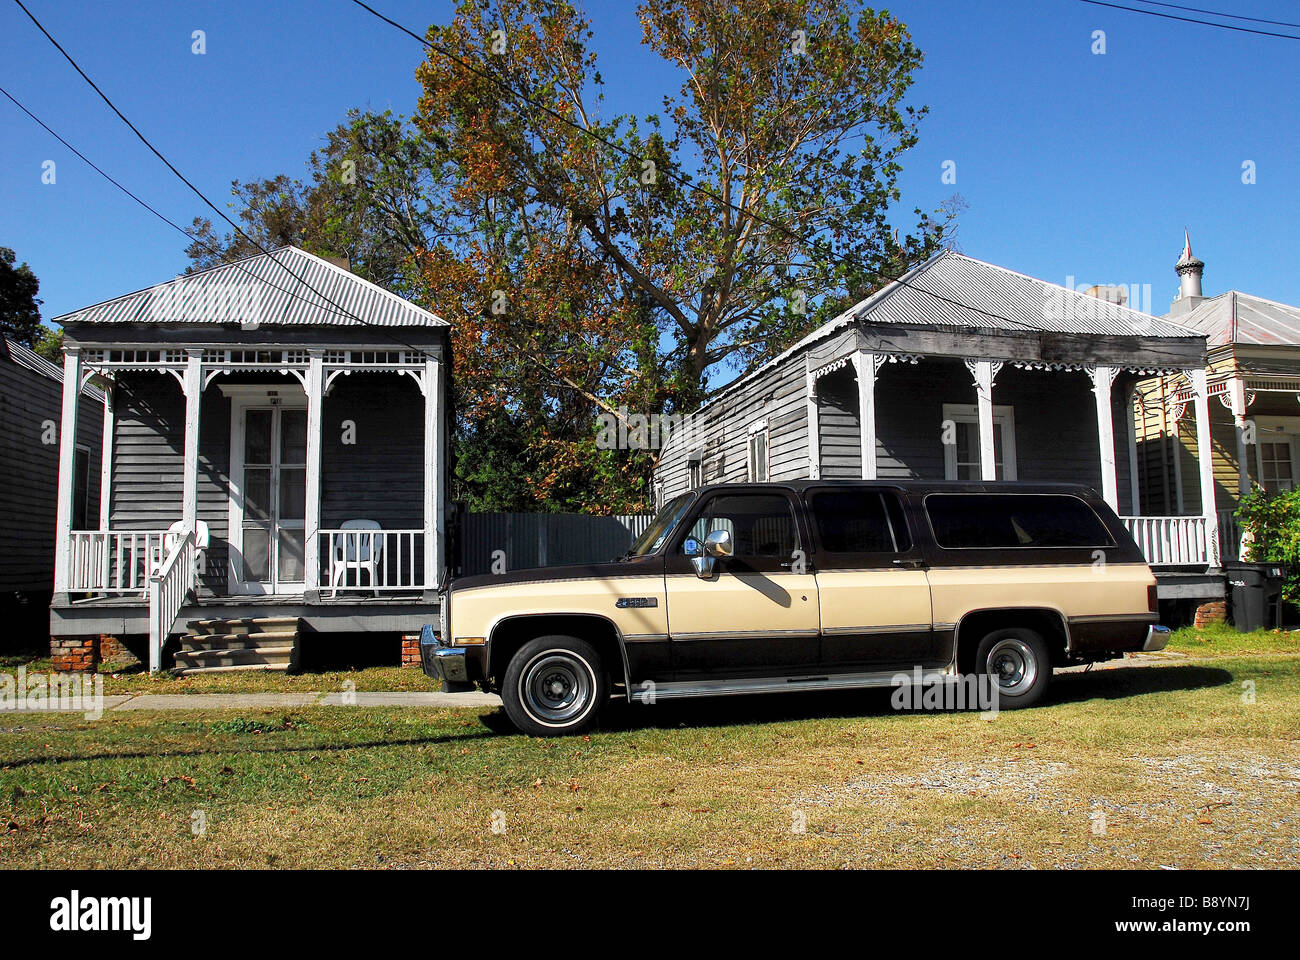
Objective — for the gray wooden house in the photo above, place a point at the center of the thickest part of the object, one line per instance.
(278, 444)
(964, 370)
(31, 391)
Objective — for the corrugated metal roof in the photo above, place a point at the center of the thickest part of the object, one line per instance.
(34, 361)
(954, 291)
(285, 287)
(1236, 317)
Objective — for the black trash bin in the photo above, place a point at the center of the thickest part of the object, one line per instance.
(1255, 594)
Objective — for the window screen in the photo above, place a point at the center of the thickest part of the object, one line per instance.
(1014, 520)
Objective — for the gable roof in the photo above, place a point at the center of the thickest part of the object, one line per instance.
(23, 357)
(277, 288)
(956, 292)
(1236, 317)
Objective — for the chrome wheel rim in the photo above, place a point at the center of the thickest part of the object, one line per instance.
(1012, 665)
(557, 687)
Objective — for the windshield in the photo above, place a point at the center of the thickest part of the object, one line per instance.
(655, 534)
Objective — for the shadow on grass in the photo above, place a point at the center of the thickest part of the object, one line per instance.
(239, 748)
(1112, 684)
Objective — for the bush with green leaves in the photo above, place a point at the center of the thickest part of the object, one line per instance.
(1272, 528)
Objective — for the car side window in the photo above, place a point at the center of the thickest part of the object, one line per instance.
(761, 525)
(859, 521)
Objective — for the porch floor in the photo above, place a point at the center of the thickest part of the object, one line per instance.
(129, 615)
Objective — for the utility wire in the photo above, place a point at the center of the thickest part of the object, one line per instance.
(163, 217)
(1204, 23)
(680, 178)
(143, 139)
(1216, 13)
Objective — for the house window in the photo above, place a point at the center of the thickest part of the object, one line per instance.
(758, 452)
(694, 474)
(961, 442)
(81, 490)
(1275, 466)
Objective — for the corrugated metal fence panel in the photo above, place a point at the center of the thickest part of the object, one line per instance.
(522, 540)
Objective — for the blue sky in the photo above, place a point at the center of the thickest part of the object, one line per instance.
(1073, 164)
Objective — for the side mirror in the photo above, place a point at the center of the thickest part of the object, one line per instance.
(718, 544)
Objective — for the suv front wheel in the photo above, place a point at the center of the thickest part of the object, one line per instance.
(554, 685)
(1018, 663)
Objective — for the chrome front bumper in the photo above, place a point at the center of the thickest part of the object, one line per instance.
(1157, 637)
(440, 662)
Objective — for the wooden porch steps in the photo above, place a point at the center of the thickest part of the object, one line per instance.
(252, 643)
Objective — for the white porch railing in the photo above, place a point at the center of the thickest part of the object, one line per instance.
(1231, 536)
(113, 561)
(1171, 541)
(378, 561)
(168, 590)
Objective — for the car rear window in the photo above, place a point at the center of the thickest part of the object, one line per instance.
(1010, 521)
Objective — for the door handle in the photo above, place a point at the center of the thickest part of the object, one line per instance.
(909, 564)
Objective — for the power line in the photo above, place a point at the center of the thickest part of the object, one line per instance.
(161, 216)
(143, 139)
(682, 179)
(1204, 23)
(1216, 13)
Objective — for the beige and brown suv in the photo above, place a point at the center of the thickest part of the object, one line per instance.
(810, 585)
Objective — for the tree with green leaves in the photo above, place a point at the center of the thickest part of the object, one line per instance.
(368, 196)
(20, 308)
(594, 262)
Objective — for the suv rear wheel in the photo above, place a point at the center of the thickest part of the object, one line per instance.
(554, 685)
(1019, 664)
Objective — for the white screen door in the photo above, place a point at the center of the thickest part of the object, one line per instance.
(273, 480)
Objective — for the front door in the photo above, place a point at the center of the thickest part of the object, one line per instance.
(271, 480)
(756, 614)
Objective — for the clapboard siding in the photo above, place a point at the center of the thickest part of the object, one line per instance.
(721, 432)
(29, 473)
(380, 477)
(1055, 420)
(839, 435)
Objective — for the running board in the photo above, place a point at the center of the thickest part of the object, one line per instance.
(650, 692)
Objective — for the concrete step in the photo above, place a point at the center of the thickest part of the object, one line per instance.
(234, 668)
(244, 626)
(238, 641)
(260, 657)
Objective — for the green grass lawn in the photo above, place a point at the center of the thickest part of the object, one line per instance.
(1170, 764)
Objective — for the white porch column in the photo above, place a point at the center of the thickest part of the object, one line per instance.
(67, 468)
(864, 364)
(984, 371)
(433, 440)
(1134, 487)
(314, 385)
(193, 399)
(1205, 460)
(1237, 398)
(1102, 378)
(814, 427)
(106, 457)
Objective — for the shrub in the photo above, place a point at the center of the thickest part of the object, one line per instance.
(1272, 525)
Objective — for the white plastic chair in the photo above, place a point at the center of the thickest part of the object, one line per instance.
(356, 551)
(175, 532)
